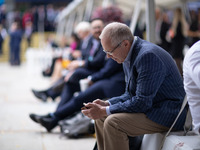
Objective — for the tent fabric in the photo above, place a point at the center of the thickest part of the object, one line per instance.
(43, 1)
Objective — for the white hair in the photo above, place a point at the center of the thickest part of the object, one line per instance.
(117, 32)
(82, 26)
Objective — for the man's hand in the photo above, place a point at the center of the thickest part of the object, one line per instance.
(73, 65)
(76, 64)
(101, 102)
(94, 111)
(76, 54)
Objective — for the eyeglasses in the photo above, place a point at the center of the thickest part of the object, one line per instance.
(111, 52)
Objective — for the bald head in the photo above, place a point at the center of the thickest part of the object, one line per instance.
(116, 32)
(116, 39)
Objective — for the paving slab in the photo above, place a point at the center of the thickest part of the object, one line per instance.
(17, 131)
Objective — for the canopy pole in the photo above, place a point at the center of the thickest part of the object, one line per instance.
(135, 16)
(150, 20)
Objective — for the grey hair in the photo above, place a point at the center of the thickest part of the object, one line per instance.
(82, 26)
(117, 32)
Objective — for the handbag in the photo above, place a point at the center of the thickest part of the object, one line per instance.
(77, 126)
(156, 141)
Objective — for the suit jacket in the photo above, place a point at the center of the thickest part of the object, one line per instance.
(15, 40)
(154, 86)
(111, 70)
(109, 81)
(98, 57)
(85, 46)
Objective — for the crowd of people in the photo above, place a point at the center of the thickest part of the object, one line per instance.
(22, 24)
(176, 33)
(135, 87)
(104, 75)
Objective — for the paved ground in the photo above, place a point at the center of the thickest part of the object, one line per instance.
(17, 131)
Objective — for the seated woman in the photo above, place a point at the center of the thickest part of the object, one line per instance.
(59, 61)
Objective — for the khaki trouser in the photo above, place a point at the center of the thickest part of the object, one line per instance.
(112, 132)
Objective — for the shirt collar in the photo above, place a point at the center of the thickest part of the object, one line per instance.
(128, 58)
(85, 41)
(95, 43)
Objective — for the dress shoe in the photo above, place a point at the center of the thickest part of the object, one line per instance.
(41, 95)
(37, 118)
(48, 72)
(48, 123)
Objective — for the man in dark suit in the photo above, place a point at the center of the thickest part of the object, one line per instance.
(93, 61)
(107, 82)
(15, 43)
(154, 91)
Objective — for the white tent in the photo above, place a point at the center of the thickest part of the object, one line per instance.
(79, 10)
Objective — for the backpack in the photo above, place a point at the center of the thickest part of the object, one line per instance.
(77, 126)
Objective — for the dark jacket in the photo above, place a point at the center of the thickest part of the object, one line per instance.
(98, 57)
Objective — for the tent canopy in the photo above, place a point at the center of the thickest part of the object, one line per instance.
(129, 5)
(82, 9)
(43, 1)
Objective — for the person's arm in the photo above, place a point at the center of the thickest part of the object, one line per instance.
(193, 33)
(108, 70)
(121, 98)
(76, 54)
(193, 30)
(75, 64)
(194, 67)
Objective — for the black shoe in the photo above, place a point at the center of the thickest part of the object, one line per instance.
(37, 118)
(48, 123)
(47, 73)
(41, 95)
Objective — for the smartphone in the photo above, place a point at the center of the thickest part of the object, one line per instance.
(84, 107)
